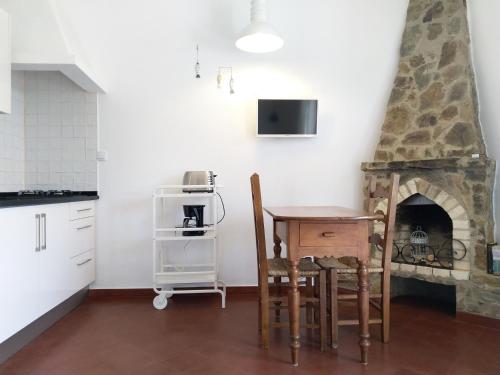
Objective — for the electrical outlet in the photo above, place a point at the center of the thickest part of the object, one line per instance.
(102, 156)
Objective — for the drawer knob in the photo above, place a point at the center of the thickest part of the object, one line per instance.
(328, 234)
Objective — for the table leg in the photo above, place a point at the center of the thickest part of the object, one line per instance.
(363, 306)
(277, 280)
(294, 310)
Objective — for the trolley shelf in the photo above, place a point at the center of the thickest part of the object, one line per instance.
(181, 229)
(185, 195)
(185, 277)
(172, 187)
(184, 238)
(166, 266)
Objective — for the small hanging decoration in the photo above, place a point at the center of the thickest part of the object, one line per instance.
(197, 65)
(231, 79)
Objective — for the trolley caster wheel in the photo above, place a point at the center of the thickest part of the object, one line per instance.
(160, 302)
(167, 292)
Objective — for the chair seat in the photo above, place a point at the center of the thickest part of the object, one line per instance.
(330, 262)
(279, 267)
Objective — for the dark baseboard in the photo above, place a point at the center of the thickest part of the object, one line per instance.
(15, 343)
(148, 292)
(242, 290)
(479, 320)
(143, 292)
(105, 293)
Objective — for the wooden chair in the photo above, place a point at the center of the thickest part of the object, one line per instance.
(277, 268)
(337, 267)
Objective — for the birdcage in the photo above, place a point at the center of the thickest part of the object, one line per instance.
(419, 241)
(419, 237)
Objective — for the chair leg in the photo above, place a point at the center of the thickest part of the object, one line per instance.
(260, 316)
(386, 307)
(309, 305)
(322, 310)
(277, 311)
(334, 310)
(316, 294)
(264, 318)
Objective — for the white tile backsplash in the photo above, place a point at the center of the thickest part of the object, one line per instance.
(57, 117)
(50, 139)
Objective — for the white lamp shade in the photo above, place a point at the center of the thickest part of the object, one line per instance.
(259, 37)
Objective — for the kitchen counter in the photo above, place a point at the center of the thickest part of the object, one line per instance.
(14, 200)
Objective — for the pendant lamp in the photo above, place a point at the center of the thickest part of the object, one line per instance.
(259, 36)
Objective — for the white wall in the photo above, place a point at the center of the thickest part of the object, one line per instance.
(485, 35)
(12, 148)
(157, 121)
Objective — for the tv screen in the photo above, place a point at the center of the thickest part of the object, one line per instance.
(280, 117)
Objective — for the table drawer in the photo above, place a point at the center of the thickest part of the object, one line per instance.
(318, 235)
(82, 235)
(80, 210)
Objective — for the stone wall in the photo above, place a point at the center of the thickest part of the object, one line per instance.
(433, 110)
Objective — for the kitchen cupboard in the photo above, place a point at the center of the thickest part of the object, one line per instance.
(54, 263)
(42, 262)
(5, 62)
(19, 269)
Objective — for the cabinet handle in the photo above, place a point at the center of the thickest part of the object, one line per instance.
(84, 262)
(84, 209)
(328, 234)
(37, 226)
(44, 220)
(84, 227)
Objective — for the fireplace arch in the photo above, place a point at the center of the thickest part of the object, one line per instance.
(461, 228)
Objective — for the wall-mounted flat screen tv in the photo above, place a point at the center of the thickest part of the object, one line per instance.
(287, 118)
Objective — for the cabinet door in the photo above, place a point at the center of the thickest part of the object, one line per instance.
(54, 260)
(19, 265)
(5, 59)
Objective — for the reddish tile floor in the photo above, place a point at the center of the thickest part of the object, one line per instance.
(194, 336)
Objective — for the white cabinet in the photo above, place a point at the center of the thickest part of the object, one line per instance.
(45, 257)
(82, 270)
(81, 210)
(81, 242)
(54, 262)
(19, 269)
(5, 62)
(82, 236)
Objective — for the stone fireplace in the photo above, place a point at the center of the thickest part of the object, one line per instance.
(432, 137)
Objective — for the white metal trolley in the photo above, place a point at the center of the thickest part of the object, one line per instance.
(166, 274)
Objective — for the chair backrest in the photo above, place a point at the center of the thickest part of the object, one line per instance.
(260, 236)
(390, 217)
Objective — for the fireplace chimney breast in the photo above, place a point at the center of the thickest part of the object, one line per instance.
(433, 108)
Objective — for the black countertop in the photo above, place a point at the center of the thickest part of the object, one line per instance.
(14, 200)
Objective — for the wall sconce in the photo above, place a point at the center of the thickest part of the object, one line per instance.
(197, 65)
(231, 80)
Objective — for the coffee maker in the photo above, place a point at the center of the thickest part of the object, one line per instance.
(193, 219)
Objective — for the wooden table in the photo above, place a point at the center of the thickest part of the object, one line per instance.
(319, 232)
